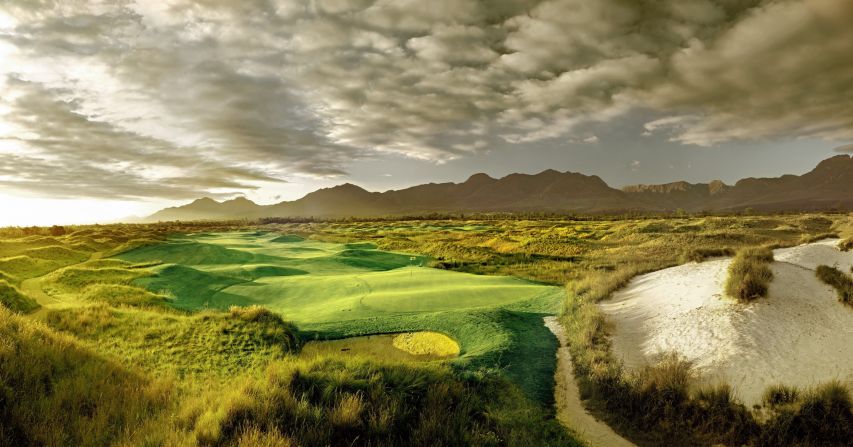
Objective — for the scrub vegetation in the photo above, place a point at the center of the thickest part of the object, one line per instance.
(749, 274)
(839, 280)
(221, 333)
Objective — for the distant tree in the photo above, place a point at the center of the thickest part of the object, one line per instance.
(57, 230)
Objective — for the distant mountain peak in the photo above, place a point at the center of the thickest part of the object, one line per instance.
(828, 186)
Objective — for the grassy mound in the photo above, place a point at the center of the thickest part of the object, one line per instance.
(55, 392)
(57, 253)
(118, 294)
(749, 274)
(216, 344)
(333, 402)
(193, 289)
(377, 260)
(192, 253)
(841, 281)
(426, 343)
(15, 300)
(288, 238)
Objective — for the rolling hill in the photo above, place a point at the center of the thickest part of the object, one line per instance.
(829, 186)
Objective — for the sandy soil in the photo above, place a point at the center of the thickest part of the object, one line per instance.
(798, 335)
(570, 410)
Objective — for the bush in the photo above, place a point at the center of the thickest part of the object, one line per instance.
(749, 274)
(839, 280)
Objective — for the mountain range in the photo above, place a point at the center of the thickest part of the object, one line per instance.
(829, 186)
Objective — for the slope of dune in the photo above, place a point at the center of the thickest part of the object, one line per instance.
(798, 335)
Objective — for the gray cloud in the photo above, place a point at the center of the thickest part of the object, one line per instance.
(217, 96)
(846, 149)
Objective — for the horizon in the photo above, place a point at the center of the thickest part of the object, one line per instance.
(113, 109)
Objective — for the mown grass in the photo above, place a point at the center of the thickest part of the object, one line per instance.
(839, 280)
(749, 274)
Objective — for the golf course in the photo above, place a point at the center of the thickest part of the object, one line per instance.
(333, 291)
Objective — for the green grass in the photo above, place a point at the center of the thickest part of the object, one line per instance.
(749, 274)
(839, 280)
(333, 290)
(15, 300)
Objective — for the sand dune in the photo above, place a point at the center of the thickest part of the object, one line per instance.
(798, 335)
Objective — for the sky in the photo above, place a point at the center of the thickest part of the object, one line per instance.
(116, 108)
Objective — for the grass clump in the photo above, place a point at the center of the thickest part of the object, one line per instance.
(777, 395)
(15, 300)
(749, 274)
(821, 416)
(701, 254)
(841, 281)
(846, 244)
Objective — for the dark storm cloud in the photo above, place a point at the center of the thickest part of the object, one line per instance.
(276, 88)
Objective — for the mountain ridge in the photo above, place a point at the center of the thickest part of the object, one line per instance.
(828, 186)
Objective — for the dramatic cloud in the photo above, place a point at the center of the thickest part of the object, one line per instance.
(170, 98)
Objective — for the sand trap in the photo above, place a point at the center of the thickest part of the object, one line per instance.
(798, 335)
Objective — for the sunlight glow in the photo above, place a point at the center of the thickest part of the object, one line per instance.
(26, 211)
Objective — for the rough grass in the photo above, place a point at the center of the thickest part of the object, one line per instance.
(326, 402)
(839, 280)
(749, 274)
(55, 392)
(15, 300)
(207, 344)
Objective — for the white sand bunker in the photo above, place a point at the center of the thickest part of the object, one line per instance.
(798, 335)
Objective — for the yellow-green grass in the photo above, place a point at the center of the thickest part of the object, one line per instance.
(217, 344)
(749, 274)
(15, 300)
(406, 347)
(55, 392)
(839, 280)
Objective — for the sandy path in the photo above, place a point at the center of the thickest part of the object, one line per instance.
(798, 335)
(570, 409)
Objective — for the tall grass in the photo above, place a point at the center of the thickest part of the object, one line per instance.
(15, 300)
(841, 281)
(749, 274)
(328, 402)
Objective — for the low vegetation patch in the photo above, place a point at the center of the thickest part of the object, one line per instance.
(841, 281)
(15, 300)
(749, 274)
(846, 244)
(701, 254)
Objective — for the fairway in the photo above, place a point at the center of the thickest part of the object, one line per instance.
(334, 290)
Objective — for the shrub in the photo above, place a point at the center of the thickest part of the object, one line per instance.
(842, 282)
(701, 254)
(749, 274)
(846, 244)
